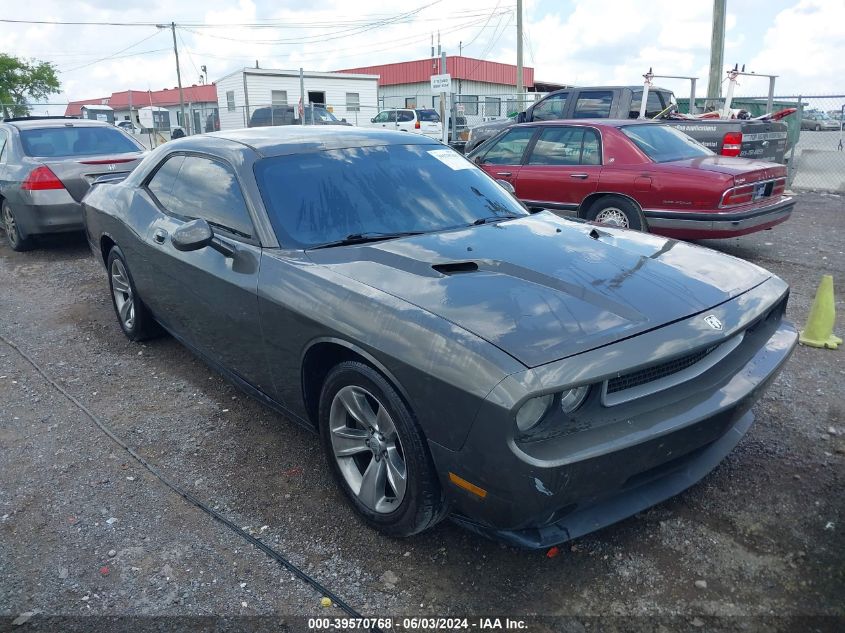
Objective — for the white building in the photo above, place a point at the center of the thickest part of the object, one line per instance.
(349, 96)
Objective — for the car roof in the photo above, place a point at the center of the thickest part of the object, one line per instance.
(297, 139)
(29, 124)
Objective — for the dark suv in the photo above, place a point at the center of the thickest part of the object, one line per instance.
(288, 115)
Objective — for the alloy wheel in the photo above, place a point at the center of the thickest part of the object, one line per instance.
(9, 225)
(367, 449)
(124, 300)
(612, 217)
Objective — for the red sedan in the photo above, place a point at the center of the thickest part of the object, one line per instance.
(637, 174)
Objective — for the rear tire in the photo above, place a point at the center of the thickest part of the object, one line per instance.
(16, 240)
(618, 212)
(134, 317)
(818, 128)
(361, 416)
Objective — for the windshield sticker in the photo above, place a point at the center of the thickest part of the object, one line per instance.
(451, 158)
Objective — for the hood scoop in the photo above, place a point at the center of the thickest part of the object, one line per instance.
(456, 268)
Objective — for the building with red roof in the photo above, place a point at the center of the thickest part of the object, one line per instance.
(200, 102)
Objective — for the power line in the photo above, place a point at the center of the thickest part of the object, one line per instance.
(114, 55)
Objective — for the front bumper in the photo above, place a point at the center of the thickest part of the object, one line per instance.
(51, 211)
(567, 486)
(718, 224)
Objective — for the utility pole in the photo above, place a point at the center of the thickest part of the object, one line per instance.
(519, 78)
(443, 71)
(178, 76)
(717, 53)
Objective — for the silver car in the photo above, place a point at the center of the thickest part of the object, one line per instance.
(47, 165)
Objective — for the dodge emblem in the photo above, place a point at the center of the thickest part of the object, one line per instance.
(713, 322)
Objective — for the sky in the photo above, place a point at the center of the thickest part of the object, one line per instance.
(581, 42)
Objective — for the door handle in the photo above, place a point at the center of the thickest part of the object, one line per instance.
(504, 173)
(159, 236)
(581, 176)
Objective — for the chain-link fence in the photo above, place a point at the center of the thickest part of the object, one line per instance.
(815, 153)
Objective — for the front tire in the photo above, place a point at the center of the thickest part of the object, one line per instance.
(377, 453)
(134, 317)
(618, 212)
(16, 239)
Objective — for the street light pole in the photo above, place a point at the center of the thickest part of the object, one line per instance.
(178, 76)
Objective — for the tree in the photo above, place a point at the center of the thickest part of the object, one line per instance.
(22, 80)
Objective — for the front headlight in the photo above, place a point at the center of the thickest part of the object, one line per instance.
(530, 413)
(572, 399)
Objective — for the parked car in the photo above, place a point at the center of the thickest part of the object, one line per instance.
(818, 121)
(642, 175)
(761, 140)
(46, 167)
(289, 115)
(420, 121)
(129, 127)
(533, 377)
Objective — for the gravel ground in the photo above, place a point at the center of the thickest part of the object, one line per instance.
(86, 530)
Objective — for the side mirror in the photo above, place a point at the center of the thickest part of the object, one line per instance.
(343, 120)
(504, 184)
(373, 120)
(192, 236)
(478, 160)
(522, 117)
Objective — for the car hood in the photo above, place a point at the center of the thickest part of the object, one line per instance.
(542, 288)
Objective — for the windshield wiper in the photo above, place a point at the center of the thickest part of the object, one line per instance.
(363, 238)
(494, 218)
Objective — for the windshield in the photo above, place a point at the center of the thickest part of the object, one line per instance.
(76, 141)
(321, 197)
(320, 114)
(663, 144)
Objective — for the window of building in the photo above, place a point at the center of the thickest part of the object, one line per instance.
(230, 100)
(353, 102)
(492, 106)
(279, 97)
(470, 104)
(410, 102)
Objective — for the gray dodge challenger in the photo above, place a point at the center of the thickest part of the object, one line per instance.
(532, 377)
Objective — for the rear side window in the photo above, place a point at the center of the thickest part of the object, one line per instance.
(76, 141)
(428, 115)
(208, 189)
(593, 104)
(405, 116)
(509, 149)
(566, 146)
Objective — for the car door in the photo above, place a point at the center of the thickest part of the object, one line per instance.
(205, 297)
(502, 159)
(405, 120)
(562, 168)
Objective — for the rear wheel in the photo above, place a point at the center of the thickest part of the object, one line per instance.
(377, 452)
(13, 232)
(134, 317)
(617, 212)
(818, 128)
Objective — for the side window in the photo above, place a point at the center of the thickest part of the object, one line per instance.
(405, 116)
(550, 109)
(591, 149)
(208, 189)
(381, 117)
(558, 146)
(509, 149)
(594, 104)
(391, 116)
(2, 147)
(161, 184)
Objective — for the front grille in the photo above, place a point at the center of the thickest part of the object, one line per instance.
(656, 372)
